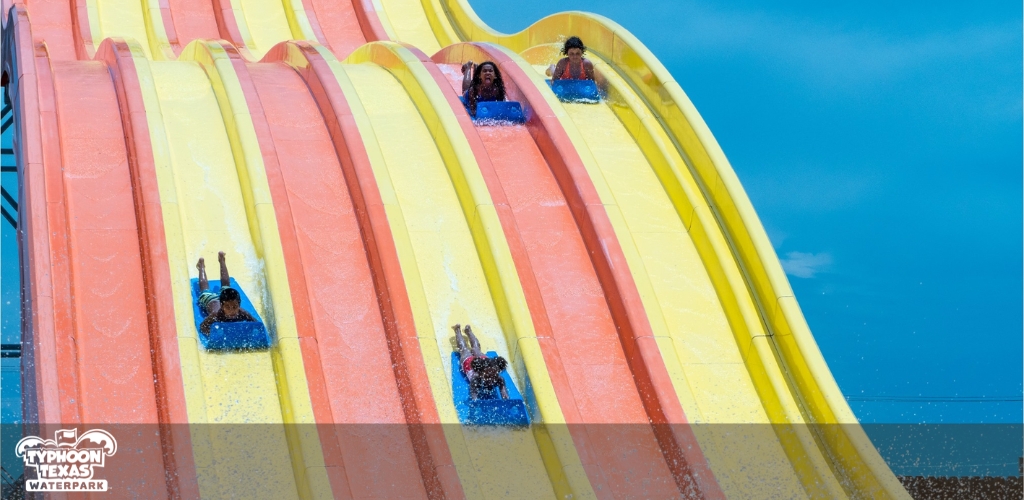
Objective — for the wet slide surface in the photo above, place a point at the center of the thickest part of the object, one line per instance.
(204, 212)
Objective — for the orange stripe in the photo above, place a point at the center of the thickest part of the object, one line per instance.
(187, 20)
(342, 28)
(314, 23)
(37, 313)
(51, 24)
(102, 255)
(170, 390)
(373, 30)
(395, 321)
(227, 25)
(77, 330)
(80, 27)
(593, 367)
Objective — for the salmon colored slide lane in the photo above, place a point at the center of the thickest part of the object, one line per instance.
(340, 327)
(105, 288)
(178, 456)
(97, 323)
(437, 470)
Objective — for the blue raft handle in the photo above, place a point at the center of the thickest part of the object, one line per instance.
(243, 335)
(576, 90)
(489, 409)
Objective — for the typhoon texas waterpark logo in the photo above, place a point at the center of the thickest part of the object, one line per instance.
(67, 462)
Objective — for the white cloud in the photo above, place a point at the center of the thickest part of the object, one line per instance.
(806, 265)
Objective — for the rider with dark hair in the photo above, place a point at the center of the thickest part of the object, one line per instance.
(483, 373)
(573, 66)
(225, 307)
(481, 83)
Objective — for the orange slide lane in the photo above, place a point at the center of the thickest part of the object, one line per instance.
(90, 331)
(608, 373)
(50, 22)
(367, 381)
(39, 381)
(173, 417)
(342, 25)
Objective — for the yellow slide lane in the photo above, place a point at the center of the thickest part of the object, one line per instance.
(457, 269)
(420, 23)
(137, 20)
(214, 196)
(704, 354)
(265, 23)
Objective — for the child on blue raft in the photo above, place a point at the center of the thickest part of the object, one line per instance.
(573, 66)
(573, 78)
(481, 83)
(482, 372)
(223, 308)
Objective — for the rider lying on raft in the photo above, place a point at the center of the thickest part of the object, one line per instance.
(223, 308)
(573, 66)
(483, 373)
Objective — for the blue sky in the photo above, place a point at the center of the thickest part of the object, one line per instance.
(881, 146)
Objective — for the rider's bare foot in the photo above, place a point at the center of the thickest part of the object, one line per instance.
(201, 264)
(221, 256)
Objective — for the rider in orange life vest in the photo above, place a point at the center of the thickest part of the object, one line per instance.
(574, 66)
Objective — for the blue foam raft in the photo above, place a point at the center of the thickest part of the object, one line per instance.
(489, 409)
(497, 111)
(576, 90)
(243, 335)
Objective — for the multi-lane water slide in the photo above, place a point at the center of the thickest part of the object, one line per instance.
(607, 250)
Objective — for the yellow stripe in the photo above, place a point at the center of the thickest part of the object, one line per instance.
(204, 145)
(410, 24)
(137, 20)
(439, 25)
(298, 22)
(262, 24)
(438, 301)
